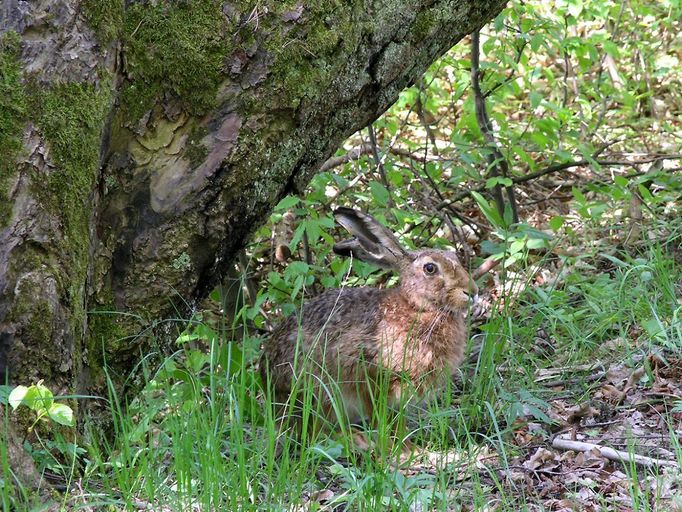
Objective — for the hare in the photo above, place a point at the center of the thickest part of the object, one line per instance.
(352, 339)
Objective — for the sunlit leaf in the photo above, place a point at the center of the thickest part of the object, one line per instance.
(62, 414)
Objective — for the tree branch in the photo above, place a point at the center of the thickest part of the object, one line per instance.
(562, 167)
(611, 454)
(497, 164)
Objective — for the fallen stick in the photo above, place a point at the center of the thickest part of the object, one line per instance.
(611, 454)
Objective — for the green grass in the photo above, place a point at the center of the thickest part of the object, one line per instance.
(202, 434)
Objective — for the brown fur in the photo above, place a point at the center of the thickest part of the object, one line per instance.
(358, 337)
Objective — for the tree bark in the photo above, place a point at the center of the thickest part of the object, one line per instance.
(142, 142)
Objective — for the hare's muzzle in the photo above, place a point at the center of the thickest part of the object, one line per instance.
(471, 295)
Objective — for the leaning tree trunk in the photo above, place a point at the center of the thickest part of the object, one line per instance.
(142, 142)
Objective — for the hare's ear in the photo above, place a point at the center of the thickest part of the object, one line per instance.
(372, 242)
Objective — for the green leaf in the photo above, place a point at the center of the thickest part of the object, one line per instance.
(488, 210)
(579, 196)
(62, 414)
(298, 284)
(187, 337)
(498, 180)
(556, 222)
(646, 194)
(611, 48)
(17, 396)
(4, 394)
(38, 398)
(575, 7)
(215, 294)
(298, 234)
(379, 193)
(621, 181)
(535, 99)
(196, 360)
(231, 358)
(296, 268)
(517, 246)
(286, 203)
(536, 243)
(312, 229)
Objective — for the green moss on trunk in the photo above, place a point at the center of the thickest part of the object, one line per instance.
(105, 17)
(176, 48)
(12, 116)
(71, 118)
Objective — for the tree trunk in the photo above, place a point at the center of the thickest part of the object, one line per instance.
(142, 142)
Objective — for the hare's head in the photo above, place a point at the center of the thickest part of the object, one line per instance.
(430, 279)
(435, 280)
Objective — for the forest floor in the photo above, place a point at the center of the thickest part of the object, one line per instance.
(570, 400)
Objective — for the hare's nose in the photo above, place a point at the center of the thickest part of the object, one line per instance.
(473, 296)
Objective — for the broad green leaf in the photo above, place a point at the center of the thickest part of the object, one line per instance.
(312, 229)
(517, 246)
(4, 393)
(536, 243)
(498, 180)
(575, 7)
(17, 396)
(187, 337)
(621, 181)
(298, 234)
(379, 193)
(488, 210)
(611, 48)
(646, 194)
(286, 203)
(38, 397)
(535, 99)
(298, 284)
(556, 222)
(62, 414)
(579, 196)
(196, 360)
(296, 268)
(231, 358)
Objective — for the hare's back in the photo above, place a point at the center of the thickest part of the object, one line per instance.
(340, 311)
(335, 320)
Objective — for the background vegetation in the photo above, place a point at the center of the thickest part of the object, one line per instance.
(552, 140)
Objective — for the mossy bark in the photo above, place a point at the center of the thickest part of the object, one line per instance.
(142, 142)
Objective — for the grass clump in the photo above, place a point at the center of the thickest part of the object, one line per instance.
(203, 433)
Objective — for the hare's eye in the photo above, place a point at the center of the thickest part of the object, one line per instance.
(430, 268)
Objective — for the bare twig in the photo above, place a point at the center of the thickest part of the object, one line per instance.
(497, 164)
(611, 454)
(379, 162)
(251, 288)
(563, 167)
(419, 106)
(351, 155)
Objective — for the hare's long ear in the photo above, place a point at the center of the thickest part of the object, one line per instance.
(372, 242)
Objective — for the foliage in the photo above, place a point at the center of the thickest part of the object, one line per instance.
(573, 89)
(584, 103)
(40, 399)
